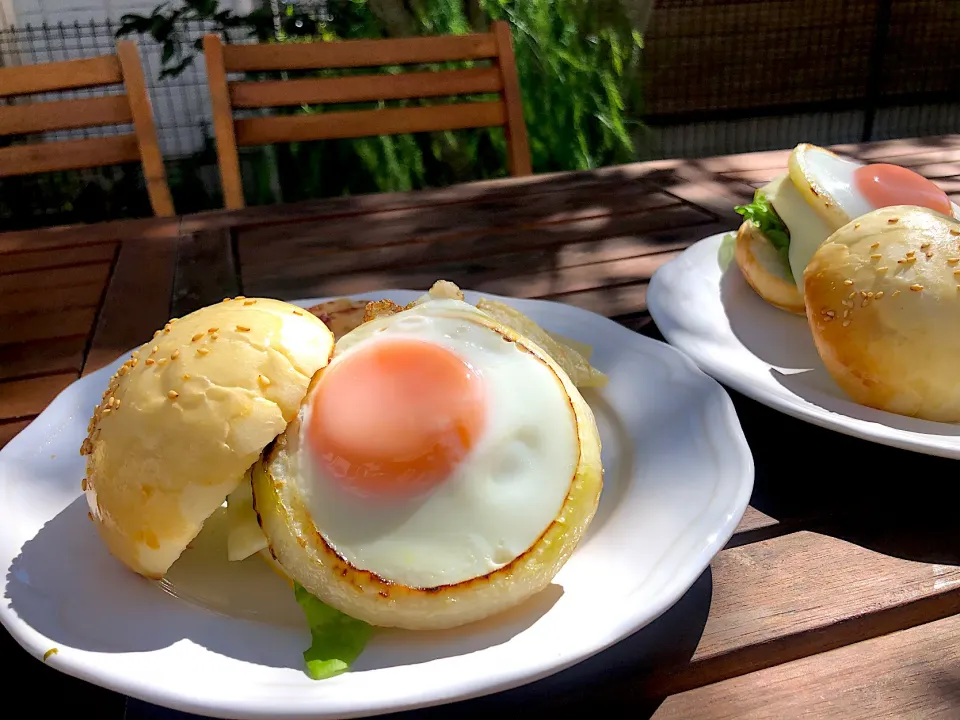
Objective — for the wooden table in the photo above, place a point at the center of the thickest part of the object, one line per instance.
(839, 594)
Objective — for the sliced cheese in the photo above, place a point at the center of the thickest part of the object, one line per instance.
(808, 231)
(244, 536)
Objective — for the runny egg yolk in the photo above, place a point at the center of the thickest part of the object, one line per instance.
(884, 185)
(395, 416)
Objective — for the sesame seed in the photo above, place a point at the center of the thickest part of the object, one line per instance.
(876, 257)
(154, 349)
(856, 226)
(916, 287)
(156, 334)
(895, 293)
(924, 246)
(297, 312)
(953, 261)
(212, 330)
(882, 269)
(117, 406)
(106, 411)
(845, 323)
(929, 255)
(173, 394)
(214, 336)
(175, 354)
(830, 313)
(111, 401)
(893, 220)
(875, 245)
(135, 354)
(240, 297)
(870, 294)
(83, 484)
(265, 381)
(161, 362)
(166, 330)
(173, 320)
(911, 253)
(242, 328)
(186, 376)
(196, 337)
(150, 361)
(848, 282)
(250, 302)
(955, 232)
(124, 370)
(225, 300)
(852, 295)
(845, 313)
(203, 351)
(879, 295)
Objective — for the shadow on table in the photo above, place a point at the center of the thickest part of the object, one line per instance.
(891, 501)
(608, 681)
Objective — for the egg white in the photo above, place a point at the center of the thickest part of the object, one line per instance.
(502, 496)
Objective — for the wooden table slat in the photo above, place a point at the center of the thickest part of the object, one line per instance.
(23, 398)
(906, 674)
(56, 355)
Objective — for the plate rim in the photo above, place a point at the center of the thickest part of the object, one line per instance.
(741, 472)
(800, 408)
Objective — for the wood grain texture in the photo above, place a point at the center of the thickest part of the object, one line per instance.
(205, 271)
(23, 398)
(146, 132)
(366, 123)
(30, 79)
(64, 114)
(72, 236)
(518, 147)
(46, 325)
(358, 53)
(8, 431)
(62, 257)
(137, 301)
(310, 91)
(908, 674)
(45, 299)
(68, 155)
(58, 355)
(228, 161)
(800, 594)
(33, 280)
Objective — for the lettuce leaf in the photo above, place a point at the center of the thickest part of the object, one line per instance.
(761, 213)
(336, 639)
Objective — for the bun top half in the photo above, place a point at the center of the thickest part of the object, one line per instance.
(186, 416)
(883, 303)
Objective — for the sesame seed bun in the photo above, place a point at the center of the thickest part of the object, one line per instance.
(883, 304)
(765, 270)
(187, 415)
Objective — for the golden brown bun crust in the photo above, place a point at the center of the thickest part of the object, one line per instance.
(765, 271)
(187, 415)
(883, 304)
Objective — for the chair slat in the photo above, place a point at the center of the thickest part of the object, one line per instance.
(366, 123)
(68, 155)
(309, 91)
(358, 53)
(64, 115)
(65, 75)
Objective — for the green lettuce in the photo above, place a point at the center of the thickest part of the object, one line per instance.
(761, 213)
(336, 640)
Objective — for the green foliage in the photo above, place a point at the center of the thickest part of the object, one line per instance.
(577, 60)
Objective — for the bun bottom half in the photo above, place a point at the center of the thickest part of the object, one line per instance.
(764, 270)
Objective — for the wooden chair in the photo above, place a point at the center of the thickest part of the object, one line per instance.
(133, 106)
(506, 112)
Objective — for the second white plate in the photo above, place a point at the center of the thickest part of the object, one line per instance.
(704, 307)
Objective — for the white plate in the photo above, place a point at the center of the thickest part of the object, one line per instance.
(678, 478)
(704, 307)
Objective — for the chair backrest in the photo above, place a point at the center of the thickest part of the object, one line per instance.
(132, 106)
(500, 78)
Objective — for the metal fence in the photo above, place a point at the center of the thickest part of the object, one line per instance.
(719, 76)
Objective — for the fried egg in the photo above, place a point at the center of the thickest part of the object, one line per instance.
(826, 191)
(442, 468)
